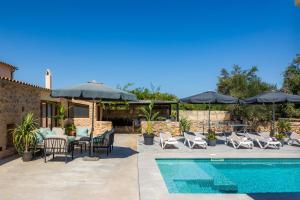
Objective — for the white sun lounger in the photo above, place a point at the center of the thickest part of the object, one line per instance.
(194, 140)
(167, 139)
(264, 140)
(294, 137)
(238, 141)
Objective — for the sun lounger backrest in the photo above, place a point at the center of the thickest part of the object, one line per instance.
(188, 136)
(295, 135)
(264, 135)
(165, 136)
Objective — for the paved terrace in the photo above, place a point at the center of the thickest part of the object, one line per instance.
(115, 177)
(152, 186)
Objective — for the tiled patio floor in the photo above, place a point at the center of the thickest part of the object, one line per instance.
(114, 177)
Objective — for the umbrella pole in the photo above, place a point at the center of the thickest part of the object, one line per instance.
(92, 131)
(209, 116)
(273, 118)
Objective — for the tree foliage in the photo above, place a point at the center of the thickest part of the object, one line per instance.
(291, 77)
(241, 84)
(291, 84)
(152, 93)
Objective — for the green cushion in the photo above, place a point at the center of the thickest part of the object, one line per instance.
(39, 137)
(43, 132)
(49, 133)
(71, 138)
(82, 131)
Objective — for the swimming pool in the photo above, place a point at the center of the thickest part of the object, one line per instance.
(231, 175)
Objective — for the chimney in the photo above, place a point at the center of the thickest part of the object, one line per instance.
(48, 79)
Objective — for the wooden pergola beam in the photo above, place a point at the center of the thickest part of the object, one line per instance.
(297, 2)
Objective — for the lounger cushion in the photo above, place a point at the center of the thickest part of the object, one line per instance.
(82, 131)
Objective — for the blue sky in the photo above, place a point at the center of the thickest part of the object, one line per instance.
(180, 45)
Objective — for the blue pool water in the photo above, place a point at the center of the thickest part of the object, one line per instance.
(231, 175)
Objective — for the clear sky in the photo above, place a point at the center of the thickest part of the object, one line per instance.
(180, 45)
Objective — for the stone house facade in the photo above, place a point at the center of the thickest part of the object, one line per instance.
(17, 99)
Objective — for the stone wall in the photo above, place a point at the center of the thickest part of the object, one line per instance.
(200, 126)
(295, 125)
(16, 100)
(162, 126)
(202, 115)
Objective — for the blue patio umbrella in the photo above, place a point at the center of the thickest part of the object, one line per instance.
(93, 91)
(209, 98)
(273, 98)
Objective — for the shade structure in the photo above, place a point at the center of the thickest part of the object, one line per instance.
(93, 91)
(273, 98)
(210, 97)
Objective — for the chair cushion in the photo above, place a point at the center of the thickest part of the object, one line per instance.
(50, 133)
(82, 131)
(39, 137)
(71, 138)
(43, 132)
(58, 131)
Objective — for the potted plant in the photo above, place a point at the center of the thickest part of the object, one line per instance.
(283, 127)
(71, 129)
(147, 112)
(61, 115)
(280, 137)
(24, 137)
(185, 125)
(211, 138)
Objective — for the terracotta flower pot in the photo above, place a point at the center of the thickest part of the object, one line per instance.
(72, 133)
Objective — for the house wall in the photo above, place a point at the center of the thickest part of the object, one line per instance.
(100, 126)
(16, 100)
(5, 71)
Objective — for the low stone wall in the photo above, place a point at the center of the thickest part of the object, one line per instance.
(200, 126)
(202, 115)
(295, 125)
(162, 126)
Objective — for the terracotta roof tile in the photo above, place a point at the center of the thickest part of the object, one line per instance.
(22, 83)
